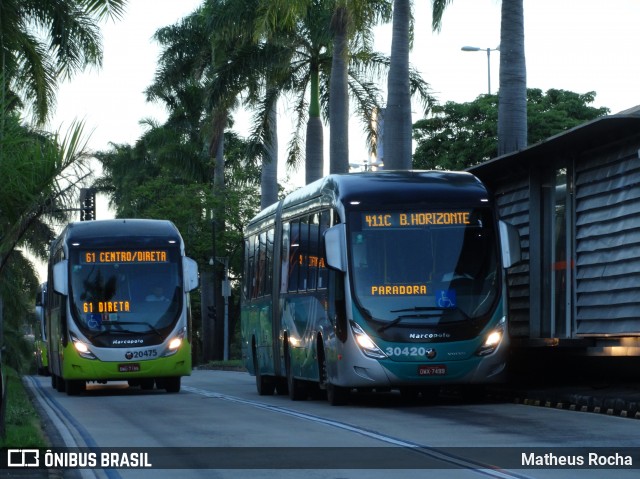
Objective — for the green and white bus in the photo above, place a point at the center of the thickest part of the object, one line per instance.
(377, 281)
(118, 305)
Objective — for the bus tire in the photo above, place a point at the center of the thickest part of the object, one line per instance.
(172, 384)
(61, 384)
(297, 388)
(282, 387)
(265, 385)
(337, 395)
(147, 384)
(75, 387)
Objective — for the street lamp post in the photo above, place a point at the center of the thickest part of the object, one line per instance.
(488, 50)
(226, 292)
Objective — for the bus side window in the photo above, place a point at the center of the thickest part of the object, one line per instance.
(294, 252)
(284, 258)
(246, 275)
(325, 224)
(312, 252)
(304, 254)
(262, 263)
(252, 268)
(270, 256)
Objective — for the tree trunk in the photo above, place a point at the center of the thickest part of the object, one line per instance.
(397, 116)
(314, 148)
(339, 95)
(512, 96)
(269, 174)
(218, 226)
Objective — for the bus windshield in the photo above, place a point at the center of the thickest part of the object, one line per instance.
(122, 292)
(424, 267)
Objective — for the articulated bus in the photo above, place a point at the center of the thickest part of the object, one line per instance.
(377, 281)
(118, 305)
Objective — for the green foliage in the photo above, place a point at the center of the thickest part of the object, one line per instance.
(460, 135)
(22, 423)
(457, 135)
(44, 41)
(162, 177)
(40, 172)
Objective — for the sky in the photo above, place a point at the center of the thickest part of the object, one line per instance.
(581, 46)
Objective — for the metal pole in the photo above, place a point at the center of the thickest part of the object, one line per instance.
(489, 69)
(226, 308)
(226, 292)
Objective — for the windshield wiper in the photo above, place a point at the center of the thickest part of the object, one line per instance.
(150, 326)
(422, 314)
(419, 308)
(119, 329)
(123, 331)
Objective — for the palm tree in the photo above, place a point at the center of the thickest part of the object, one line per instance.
(43, 41)
(339, 94)
(512, 95)
(347, 66)
(397, 115)
(40, 175)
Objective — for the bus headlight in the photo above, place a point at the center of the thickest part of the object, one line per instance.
(175, 343)
(81, 347)
(492, 340)
(369, 348)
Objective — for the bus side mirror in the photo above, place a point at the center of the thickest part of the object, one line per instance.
(335, 247)
(61, 277)
(190, 272)
(510, 244)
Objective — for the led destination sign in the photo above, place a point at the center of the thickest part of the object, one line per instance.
(411, 219)
(130, 256)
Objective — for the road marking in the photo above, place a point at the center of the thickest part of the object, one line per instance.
(426, 450)
(67, 425)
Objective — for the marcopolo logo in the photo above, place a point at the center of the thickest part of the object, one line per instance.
(23, 458)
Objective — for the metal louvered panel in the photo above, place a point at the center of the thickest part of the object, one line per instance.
(513, 207)
(608, 244)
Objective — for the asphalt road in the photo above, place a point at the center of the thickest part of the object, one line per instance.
(218, 426)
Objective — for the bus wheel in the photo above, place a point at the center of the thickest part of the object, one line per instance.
(75, 386)
(147, 384)
(297, 388)
(61, 384)
(171, 385)
(337, 395)
(264, 384)
(282, 387)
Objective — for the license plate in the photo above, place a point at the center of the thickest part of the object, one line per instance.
(129, 367)
(432, 370)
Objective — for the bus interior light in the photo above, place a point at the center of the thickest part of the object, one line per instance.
(369, 348)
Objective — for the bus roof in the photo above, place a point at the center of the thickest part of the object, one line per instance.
(391, 187)
(120, 229)
(432, 188)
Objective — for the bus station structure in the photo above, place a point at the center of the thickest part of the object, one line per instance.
(575, 199)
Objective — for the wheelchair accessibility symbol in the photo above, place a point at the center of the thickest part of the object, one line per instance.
(94, 321)
(446, 298)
